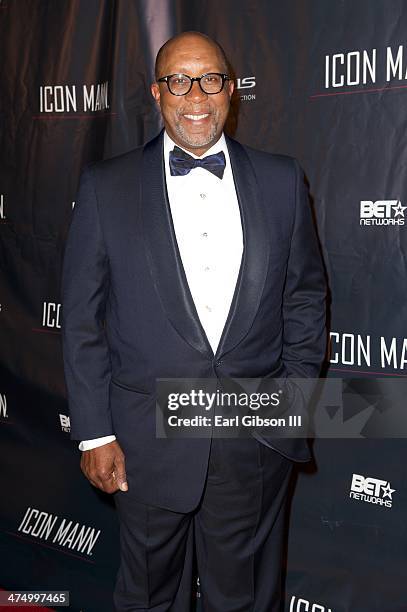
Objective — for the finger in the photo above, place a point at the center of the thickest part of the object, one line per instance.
(88, 476)
(107, 486)
(121, 479)
(106, 480)
(110, 486)
(100, 477)
(120, 472)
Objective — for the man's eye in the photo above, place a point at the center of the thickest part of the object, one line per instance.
(212, 79)
(180, 81)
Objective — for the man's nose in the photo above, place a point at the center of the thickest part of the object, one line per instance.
(196, 92)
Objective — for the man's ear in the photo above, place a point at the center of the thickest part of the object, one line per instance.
(155, 92)
(231, 87)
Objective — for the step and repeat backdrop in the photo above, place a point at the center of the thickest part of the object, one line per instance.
(325, 82)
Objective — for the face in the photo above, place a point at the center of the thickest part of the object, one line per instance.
(194, 121)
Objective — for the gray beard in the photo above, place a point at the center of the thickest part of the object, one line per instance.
(196, 141)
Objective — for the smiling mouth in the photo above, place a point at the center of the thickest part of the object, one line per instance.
(197, 117)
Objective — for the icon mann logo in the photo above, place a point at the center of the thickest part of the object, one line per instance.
(3, 406)
(371, 490)
(382, 212)
(304, 605)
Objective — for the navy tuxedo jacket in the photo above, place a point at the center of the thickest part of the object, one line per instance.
(129, 317)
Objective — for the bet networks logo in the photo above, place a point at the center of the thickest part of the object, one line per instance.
(371, 490)
(65, 423)
(382, 212)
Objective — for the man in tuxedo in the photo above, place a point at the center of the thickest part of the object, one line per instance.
(192, 256)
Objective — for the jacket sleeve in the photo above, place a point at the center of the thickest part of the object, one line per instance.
(304, 300)
(85, 288)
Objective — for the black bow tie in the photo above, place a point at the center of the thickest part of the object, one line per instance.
(181, 163)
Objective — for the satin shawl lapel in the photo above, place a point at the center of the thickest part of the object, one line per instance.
(162, 250)
(165, 261)
(254, 265)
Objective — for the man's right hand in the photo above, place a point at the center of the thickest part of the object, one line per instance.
(104, 467)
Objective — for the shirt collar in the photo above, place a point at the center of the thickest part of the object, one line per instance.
(220, 145)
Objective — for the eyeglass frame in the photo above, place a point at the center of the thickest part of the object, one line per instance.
(225, 77)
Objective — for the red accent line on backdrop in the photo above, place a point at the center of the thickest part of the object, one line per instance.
(73, 116)
(356, 91)
(64, 552)
(45, 331)
(366, 372)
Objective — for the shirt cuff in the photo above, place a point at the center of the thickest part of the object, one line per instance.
(88, 444)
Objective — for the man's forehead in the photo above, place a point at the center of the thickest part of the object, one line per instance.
(200, 63)
(194, 51)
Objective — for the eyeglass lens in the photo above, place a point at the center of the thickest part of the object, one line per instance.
(210, 83)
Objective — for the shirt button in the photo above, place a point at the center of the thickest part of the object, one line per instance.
(208, 308)
(206, 268)
(203, 195)
(204, 234)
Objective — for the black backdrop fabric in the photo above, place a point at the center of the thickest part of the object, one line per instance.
(323, 81)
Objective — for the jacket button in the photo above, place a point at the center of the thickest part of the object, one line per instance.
(218, 363)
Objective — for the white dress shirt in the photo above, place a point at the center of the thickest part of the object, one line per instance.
(207, 224)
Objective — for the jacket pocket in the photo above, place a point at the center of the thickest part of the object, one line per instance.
(129, 388)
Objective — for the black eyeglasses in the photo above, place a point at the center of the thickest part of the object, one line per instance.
(181, 84)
